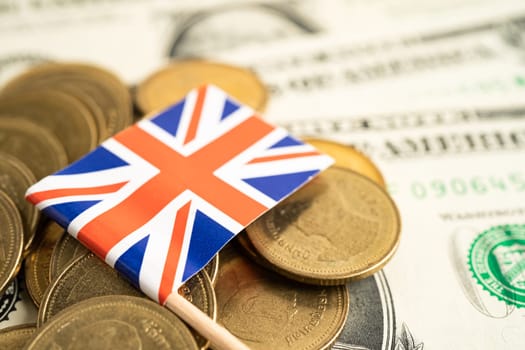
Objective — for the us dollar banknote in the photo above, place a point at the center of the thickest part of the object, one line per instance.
(36, 31)
(318, 77)
(203, 32)
(458, 178)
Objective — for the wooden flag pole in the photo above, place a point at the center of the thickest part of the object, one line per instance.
(219, 336)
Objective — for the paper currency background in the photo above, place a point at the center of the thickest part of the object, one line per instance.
(433, 92)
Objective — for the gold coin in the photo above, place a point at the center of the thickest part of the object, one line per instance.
(348, 157)
(113, 95)
(68, 88)
(35, 146)
(87, 277)
(16, 337)
(15, 179)
(172, 83)
(199, 291)
(246, 245)
(67, 249)
(267, 311)
(212, 268)
(11, 240)
(61, 114)
(116, 323)
(104, 88)
(88, 101)
(338, 227)
(38, 262)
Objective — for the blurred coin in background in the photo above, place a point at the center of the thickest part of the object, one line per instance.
(97, 88)
(173, 82)
(35, 146)
(59, 113)
(15, 179)
(348, 157)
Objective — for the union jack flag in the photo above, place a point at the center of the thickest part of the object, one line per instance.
(158, 200)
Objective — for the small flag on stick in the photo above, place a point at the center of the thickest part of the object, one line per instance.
(158, 200)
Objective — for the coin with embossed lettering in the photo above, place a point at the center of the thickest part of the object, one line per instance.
(173, 82)
(199, 291)
(90, 84)
(38, 261)
(340, 226)
(11, 240)
(35, 146)
(16, 337)
(67, 249)
(15, 179)
(87, 277)
(63, 115)
(267, 311)
(346, 156)
(116, 323)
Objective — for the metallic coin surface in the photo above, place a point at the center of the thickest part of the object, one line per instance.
(348, 157)
(63, 115)
(67, 249)
(11, 240)
(16, 337)
(267, 311)
(35, 146)
(117, 102)
(104, 88)
(87, 277)
(338, 227)
(73, 89)
(38, 262)
(172, 83)
(116, 323)
(23, 84)
(213, 268)
(15, 179)
(247, 247)
(199, 291)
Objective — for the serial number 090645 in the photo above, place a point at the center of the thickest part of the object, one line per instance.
(463, 186)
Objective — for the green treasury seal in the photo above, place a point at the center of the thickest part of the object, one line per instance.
(497, 261)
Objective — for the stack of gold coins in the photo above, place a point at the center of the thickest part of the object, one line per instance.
(283, 283)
